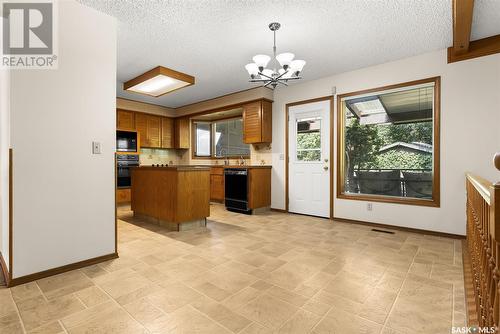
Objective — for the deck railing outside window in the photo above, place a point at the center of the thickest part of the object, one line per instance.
(415, 183)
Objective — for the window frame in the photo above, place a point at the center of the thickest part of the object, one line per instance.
(340, 192)
(212, 143)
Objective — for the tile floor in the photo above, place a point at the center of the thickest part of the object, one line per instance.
(272, 273)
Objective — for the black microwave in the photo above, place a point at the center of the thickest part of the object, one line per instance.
(126, 141)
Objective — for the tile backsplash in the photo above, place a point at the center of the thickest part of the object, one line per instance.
(259, 155)
(149, 156)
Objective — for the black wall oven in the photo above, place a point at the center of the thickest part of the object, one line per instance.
(126, 141)
(124, 163)
(236, 189)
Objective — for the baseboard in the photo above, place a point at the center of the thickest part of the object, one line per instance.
(60, 270)
(278, 210)
(401, 228)
(5, 270)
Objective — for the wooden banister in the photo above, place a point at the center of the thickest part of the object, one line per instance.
(482, 251)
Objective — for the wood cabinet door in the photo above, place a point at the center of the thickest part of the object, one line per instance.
(217, 187)
(141, 125)
(123, 195)
(125, 120)
(154, 131)
(267, 122)
(167, 132)
(252, 123)
(181, 133)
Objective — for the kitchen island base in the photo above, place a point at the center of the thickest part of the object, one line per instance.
(176, 197)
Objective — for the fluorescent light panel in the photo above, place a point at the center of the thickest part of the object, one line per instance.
(158, 81)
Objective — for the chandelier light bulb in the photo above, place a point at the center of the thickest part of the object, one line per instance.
(261, 61)
(252, 69)
(285, 59)
(297, 66)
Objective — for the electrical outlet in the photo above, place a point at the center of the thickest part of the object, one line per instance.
(369, 206)
(96, 147)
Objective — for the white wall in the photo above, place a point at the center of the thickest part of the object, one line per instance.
(64, 209)
(470, 120)
(4, 163)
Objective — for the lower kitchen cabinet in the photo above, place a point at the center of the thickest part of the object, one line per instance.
(217, 184)
(123, 196)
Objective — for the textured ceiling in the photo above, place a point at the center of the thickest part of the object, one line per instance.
(213, 39)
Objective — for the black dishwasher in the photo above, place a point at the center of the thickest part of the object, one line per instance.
(236, 190)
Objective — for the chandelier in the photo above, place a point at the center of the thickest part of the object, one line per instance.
(290, 69)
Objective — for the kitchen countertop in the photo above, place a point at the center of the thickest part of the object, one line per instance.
(176, 167)
(198, 167)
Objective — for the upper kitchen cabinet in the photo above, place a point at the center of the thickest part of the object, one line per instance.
(257, 122)
(125, 120)
(167, 132)
(154, 131)
(149, 129)
(181, 130)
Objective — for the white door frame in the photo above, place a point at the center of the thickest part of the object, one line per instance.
(287, 158)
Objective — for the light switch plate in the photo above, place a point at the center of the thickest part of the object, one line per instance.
(96, 147)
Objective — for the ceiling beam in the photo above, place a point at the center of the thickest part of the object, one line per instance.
(478, 48)
(463, 48)
(462, 24)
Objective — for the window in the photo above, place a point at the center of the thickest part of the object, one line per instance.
(388, 144)
(203, 135)
(220, 139)
(309, 139)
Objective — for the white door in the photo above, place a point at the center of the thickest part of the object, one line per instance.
(309, 159)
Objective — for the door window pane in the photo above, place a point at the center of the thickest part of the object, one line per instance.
(388, 143)
(308, 139)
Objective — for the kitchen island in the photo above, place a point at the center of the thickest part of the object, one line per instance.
(177, 197)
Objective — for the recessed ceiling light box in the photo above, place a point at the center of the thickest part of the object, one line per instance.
(158, 81)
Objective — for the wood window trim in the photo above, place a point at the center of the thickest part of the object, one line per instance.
(436, 181)
(212, 153)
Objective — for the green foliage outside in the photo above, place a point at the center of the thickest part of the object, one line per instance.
(363, 142)
(403, 160)
(309, 140)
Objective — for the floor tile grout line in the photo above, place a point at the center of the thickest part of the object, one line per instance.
(400, 289)
(18, 312)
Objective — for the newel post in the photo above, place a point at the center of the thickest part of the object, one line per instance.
(495, 223)
(495, 201)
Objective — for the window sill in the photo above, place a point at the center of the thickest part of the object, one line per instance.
(245, 157)
(391, 200)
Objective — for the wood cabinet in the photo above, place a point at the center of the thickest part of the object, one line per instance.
(217, 184)
(154, 131)
(167, 132)
(123, 195)
(125, 120)
(259, 188)
(181, 132)
(149, 129)
(257, 122)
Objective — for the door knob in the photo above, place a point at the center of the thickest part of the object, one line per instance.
(325, 168)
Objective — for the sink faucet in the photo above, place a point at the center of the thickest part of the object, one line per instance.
(224, 154)
(242, 161)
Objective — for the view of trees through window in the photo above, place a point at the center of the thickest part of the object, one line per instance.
(388, 144)
(309, 139)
